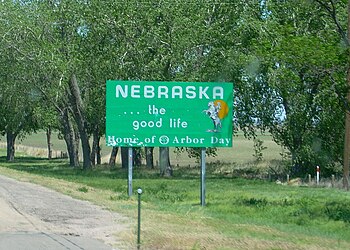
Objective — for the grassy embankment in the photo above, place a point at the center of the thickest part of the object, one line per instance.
(240, 214)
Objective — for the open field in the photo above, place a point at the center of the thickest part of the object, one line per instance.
(241, 153)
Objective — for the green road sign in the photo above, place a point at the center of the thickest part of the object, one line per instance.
(169, 114)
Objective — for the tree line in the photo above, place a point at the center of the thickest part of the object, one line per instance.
(289, 61)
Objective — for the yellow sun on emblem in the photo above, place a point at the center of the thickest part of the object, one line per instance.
(223, 112)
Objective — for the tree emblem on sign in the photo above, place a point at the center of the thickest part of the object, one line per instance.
(164, 140)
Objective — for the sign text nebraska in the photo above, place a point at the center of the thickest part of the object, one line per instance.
(163, 91)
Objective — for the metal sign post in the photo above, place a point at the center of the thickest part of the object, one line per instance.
(203, 177)
(139, 192)
(130, 171)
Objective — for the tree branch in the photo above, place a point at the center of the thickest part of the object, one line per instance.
(332, 12)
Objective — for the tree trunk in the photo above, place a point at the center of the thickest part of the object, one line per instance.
(69, 138)
(96, 150)
(125, 157)
(347, 137)
(164, 162)
(76, 142)
(149, 157)
(49, 144)
(164, 158)
(347, 116)
(77, 105)
(113, 157)
(93, 150)
(11, 138)
(137, 158)
(346, 149)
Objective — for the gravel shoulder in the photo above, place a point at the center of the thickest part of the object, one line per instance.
(27, 207)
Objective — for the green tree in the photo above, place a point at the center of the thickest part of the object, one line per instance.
(335, 11)
(291, 86)
(17, 97)
(60, 82)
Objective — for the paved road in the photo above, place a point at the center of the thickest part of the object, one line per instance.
(33, 217)
(44, 241)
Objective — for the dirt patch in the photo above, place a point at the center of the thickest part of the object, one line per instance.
(30, 207)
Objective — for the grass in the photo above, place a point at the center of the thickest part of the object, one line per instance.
(240, 213)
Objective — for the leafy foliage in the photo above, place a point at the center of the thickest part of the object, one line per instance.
(294, 88)
(258, 149)
(286, 59)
